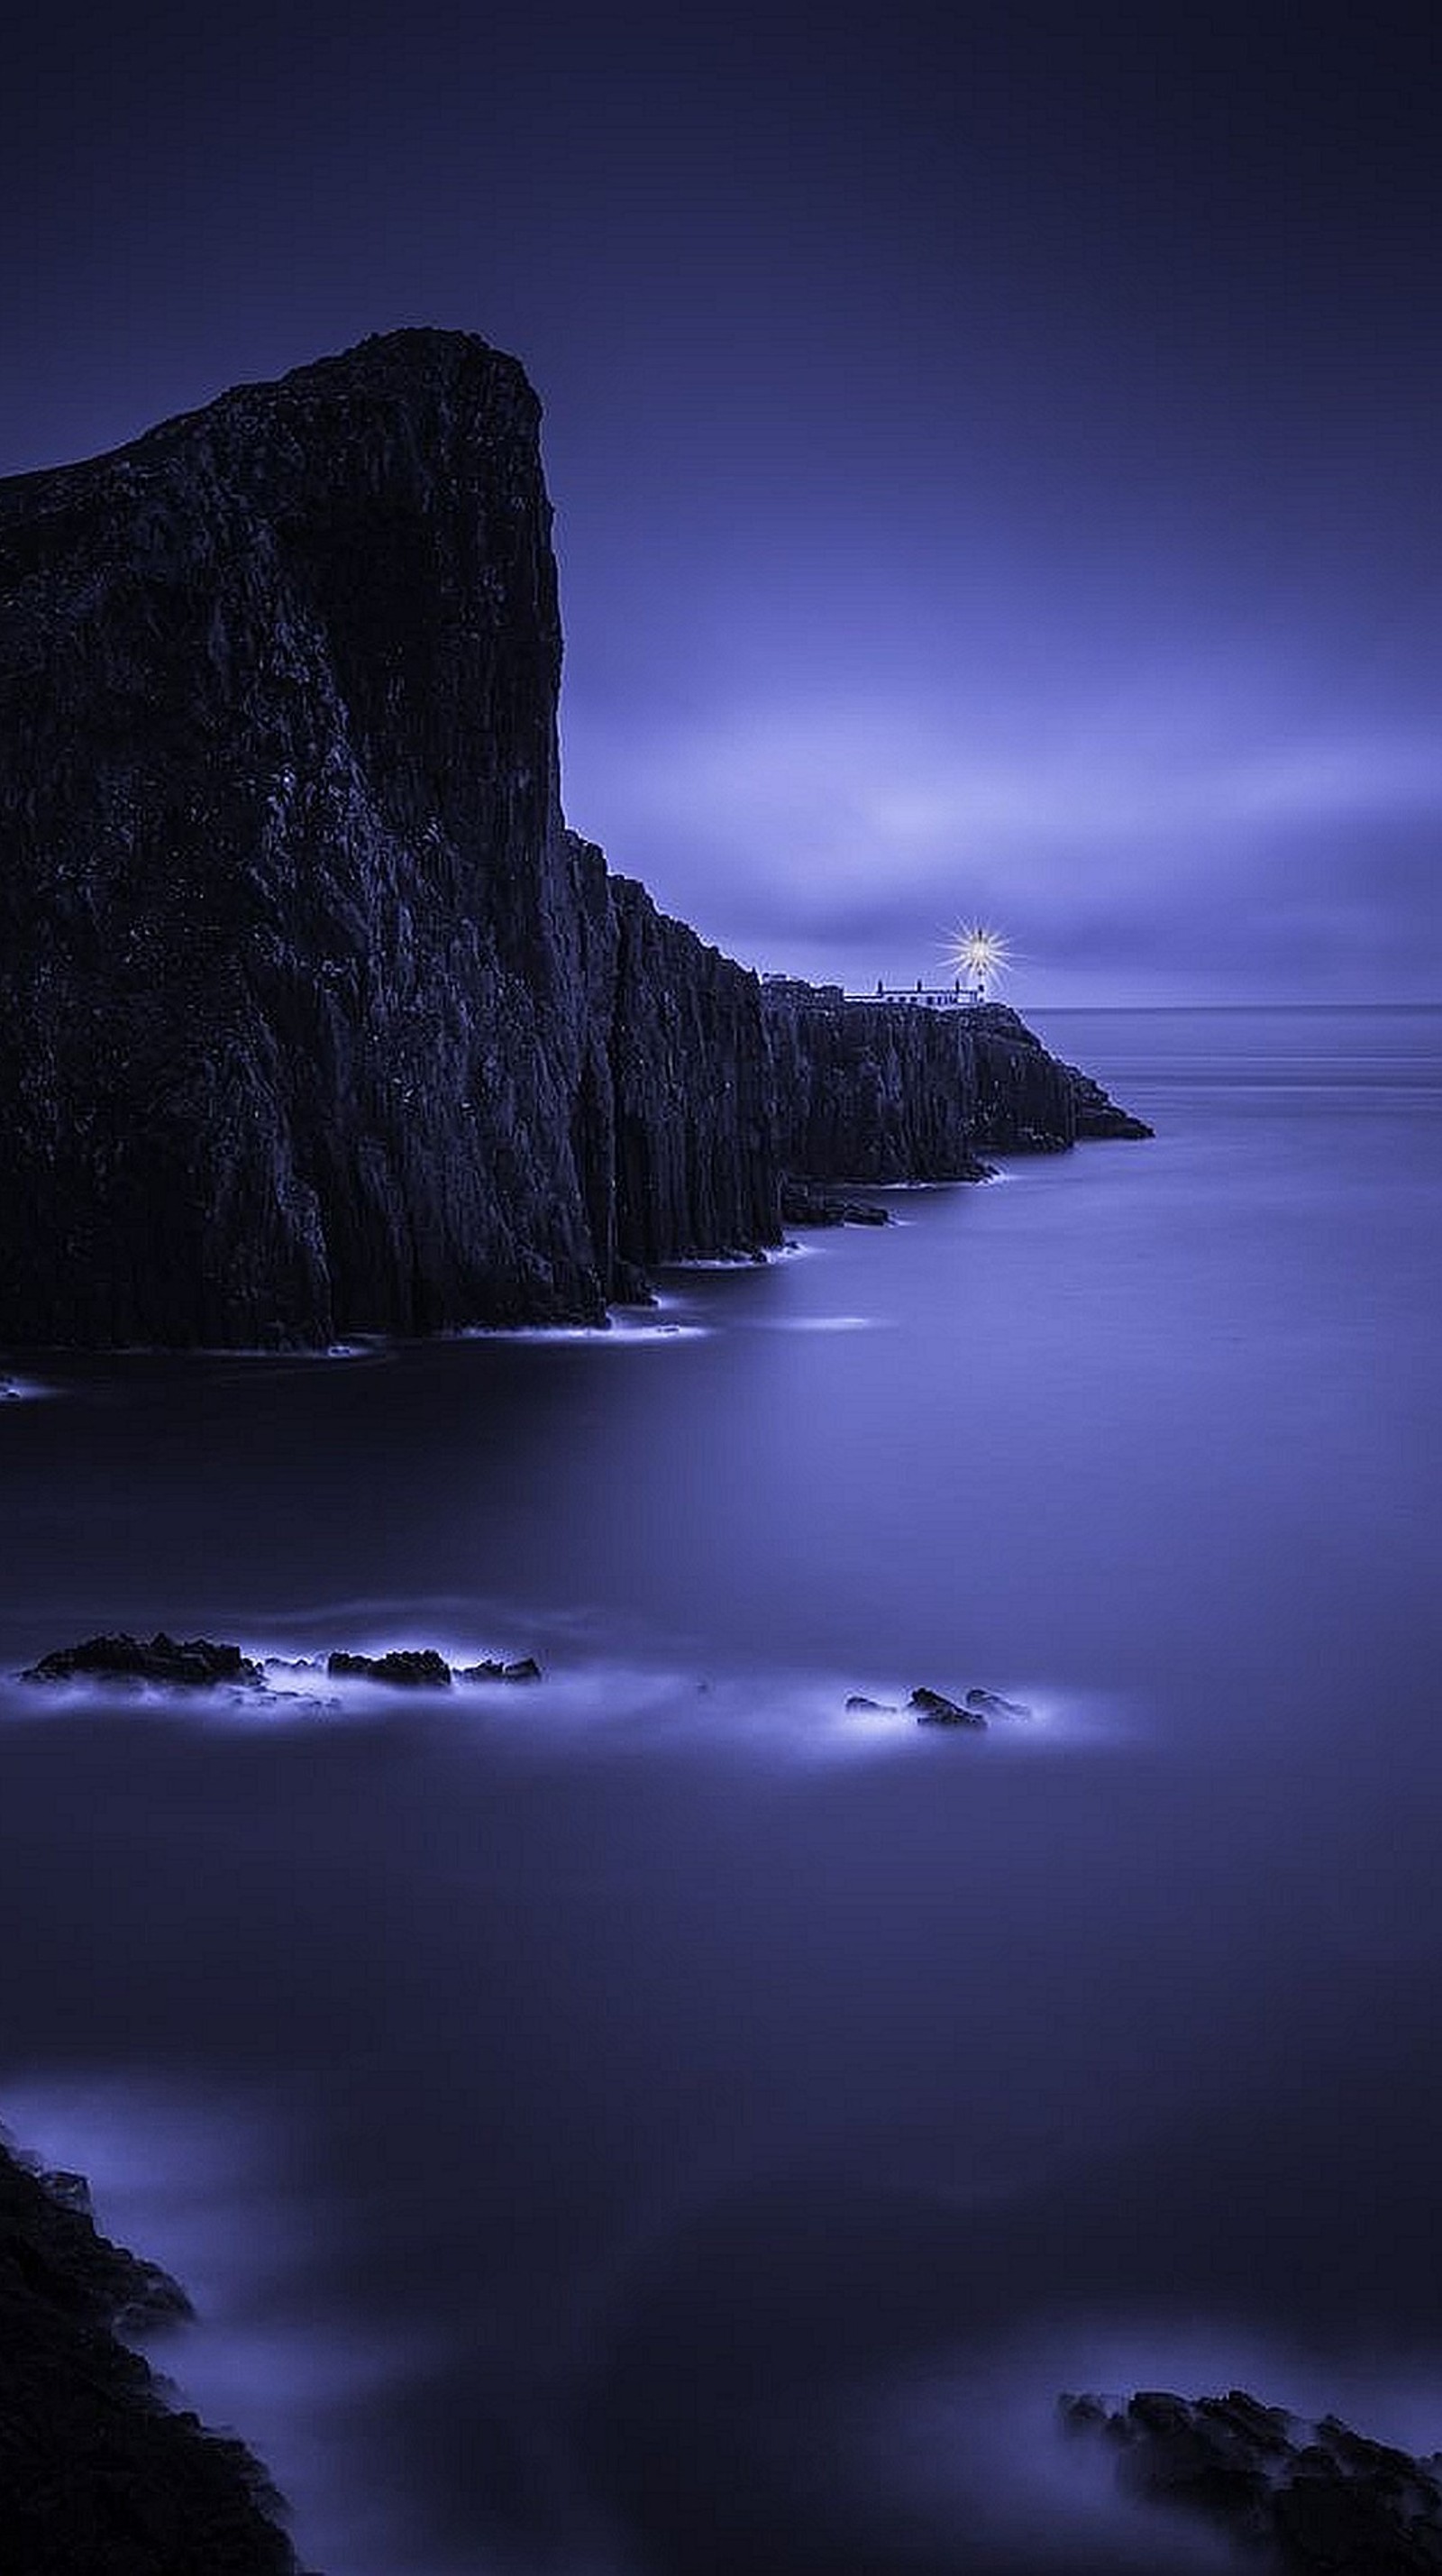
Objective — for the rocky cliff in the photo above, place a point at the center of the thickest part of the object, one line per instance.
(878, 1091)
(97, 2476)
(313, 1017)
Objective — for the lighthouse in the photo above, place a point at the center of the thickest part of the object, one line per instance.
(981, 955)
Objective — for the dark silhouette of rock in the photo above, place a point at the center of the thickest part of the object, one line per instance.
(693, 1156)
(407, 1667)
(933, 1708)
(992, 1704)
(858, 1703)
(191, 1664)
(312, 1015)
(1315, 2496)
(197, 1664)
(802, 1203)
(97, 2476)
(1096, 1114)
(314, 1019)
(884, 1091)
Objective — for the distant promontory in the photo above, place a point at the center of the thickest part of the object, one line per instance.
(314, 1017)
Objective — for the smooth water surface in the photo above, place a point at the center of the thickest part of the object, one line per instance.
(658, 2120)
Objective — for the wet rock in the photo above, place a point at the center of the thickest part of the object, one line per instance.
(933, 1708)
(802, 1203)
(1321, 2499)
(97, 2476)
(408, 1667)
(859, 1704)
(194, 1663)
(992, 1704)
(490, 1669)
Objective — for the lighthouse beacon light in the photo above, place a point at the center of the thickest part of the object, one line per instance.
(981, 955)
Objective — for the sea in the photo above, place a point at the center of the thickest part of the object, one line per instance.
(658, 2120)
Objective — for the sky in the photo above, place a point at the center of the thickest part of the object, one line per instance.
(995, 448)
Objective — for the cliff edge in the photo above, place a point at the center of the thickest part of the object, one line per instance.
(98, 2477)
(314, 1018)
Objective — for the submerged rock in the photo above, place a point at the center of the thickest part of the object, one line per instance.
(1318, 2497)
(194, 1663)
(97, 2476)
(859, 1704)
(490, 1670)
(933, 1708)
(408, 1667)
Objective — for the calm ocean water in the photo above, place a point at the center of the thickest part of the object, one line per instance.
(657, 2122)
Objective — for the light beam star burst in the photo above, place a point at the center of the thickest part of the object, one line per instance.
(980, 954)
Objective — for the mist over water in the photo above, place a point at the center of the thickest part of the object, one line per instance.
(656, 2120)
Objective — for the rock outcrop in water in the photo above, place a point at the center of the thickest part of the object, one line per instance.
(1316, 2499)
(199, 1663)
(189, 1663)
(97, 2476)
(313, 1016)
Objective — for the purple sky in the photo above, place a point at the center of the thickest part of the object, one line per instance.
(995, 449)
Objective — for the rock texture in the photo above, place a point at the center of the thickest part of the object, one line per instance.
(97, 2476)
(1309, 2497)
(313, 1016)
(881, 1091)
(199, 1663)
(190, 1663)
(306, 997)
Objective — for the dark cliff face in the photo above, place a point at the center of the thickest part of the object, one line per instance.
(868, 1091)
(292, 940)
(873, 1091)
(696, 1162)
(313, 1017)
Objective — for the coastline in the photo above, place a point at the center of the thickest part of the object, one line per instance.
(100, 2471)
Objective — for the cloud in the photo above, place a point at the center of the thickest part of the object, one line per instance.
(1136, 825)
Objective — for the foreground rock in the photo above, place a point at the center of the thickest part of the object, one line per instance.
(1316, 2497)
(192, 1664)
(97, 2476)
(314, 1018)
